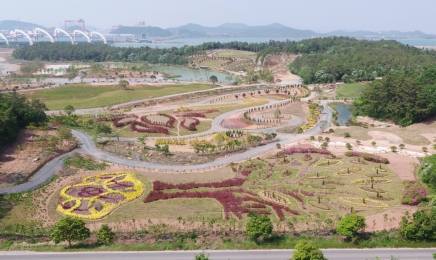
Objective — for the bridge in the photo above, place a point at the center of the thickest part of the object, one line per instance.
(35, 35)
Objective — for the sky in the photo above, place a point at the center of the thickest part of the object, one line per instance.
(317, 15)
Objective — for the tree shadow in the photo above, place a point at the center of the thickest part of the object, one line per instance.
(5, 206)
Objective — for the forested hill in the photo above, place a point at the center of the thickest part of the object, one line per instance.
(348, 59)
(402, 97)
(322, 60)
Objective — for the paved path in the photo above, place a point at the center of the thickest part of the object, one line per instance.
(87, 147)
(331, 254)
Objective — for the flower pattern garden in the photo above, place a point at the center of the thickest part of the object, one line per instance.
(295, 182)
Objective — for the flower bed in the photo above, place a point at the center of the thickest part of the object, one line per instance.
(364, 188)
(349, 171)
(319, 205)
(124, 120)
(292, 150)
(372, 180)
(414, 193)
(367, 156)
(369, 203)
(158, 121)
(378, 169)
(97, 196)
(275, 197)
(192, 126)
(141, 127)
(328, 163)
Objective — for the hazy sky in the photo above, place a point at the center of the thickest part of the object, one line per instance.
(317, 15)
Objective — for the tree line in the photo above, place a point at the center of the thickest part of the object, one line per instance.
(16, 112)
(402, 97)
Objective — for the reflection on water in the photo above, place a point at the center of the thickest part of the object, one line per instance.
(344, 114)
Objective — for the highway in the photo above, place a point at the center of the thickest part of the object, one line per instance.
(331, 254)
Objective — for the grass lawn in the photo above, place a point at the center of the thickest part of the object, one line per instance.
(87, 96)
(213, 64)
(350, 90)
(203, 126)
(236, 54)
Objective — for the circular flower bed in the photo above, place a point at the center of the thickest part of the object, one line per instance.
(372, 180)
(364, 202)
(97, 196)
(349, 171)
(328, 163)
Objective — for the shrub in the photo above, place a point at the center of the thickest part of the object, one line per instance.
(350, 225)
(307, 251)
(105, 235)
(347, 135)
(368, 157)
(414, 193)
(259, 225)
(427, 171)
(421, 227)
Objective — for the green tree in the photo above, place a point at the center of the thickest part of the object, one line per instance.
(393, 149)
(143, 140)
(213, 79)
(69, 229)
(105, 235)
(421, 227)
(323, 124)
(350, 225)
(229, 78)
(82, 75)
(427, 171)
(259, 225)
(277, 113)
(202, 256)
(123, 83)
(307, 251)
(69, 109)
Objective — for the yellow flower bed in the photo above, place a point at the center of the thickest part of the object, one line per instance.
(353, 201)
(275, 197)
(174, 141)
(374, 180)
(104, 180)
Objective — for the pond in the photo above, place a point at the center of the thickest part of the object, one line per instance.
(344, 114)
(190, 74)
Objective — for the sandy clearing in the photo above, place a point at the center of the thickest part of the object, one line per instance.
(389, 219)
(287, 77)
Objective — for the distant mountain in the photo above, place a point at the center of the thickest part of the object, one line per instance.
(386, 34)
(243, 30)
(234, 25)
(14, 24)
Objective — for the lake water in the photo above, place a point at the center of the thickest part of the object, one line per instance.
(189, 74)
(197, 41)
(344, 114)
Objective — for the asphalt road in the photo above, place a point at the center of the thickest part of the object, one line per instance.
(331, 254)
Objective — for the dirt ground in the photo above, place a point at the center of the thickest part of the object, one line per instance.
(20, 159)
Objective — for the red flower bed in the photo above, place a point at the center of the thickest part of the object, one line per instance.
(230, 203)
(169, 124)
(307, 193)
(191, 126)
(117, 123)
(293, 150)
(158, 185)
(367, 156)
(192, 114)
(246, 172)
(293, 195)
(149, 129)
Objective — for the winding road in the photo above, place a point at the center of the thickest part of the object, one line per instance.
(87, 147)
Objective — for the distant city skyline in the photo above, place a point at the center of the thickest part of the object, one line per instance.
(319, 16)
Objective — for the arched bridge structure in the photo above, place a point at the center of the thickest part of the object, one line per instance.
(38, 30)
(34, 36)
(101, 36)
(4, 38)
(16, 32)
(82, 33)
(59, 30)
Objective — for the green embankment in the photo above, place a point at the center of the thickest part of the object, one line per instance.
(352, 90)
(87, 96)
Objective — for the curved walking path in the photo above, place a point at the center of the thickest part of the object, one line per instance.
(87, 147)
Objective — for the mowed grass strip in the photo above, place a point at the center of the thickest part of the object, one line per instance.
(88, 96)
(350, 90)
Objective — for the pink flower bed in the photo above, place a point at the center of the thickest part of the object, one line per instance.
(368, 157)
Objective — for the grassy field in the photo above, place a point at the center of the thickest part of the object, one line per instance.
(213, 64)
(87, 96)
(350, 90)
(236, 54)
